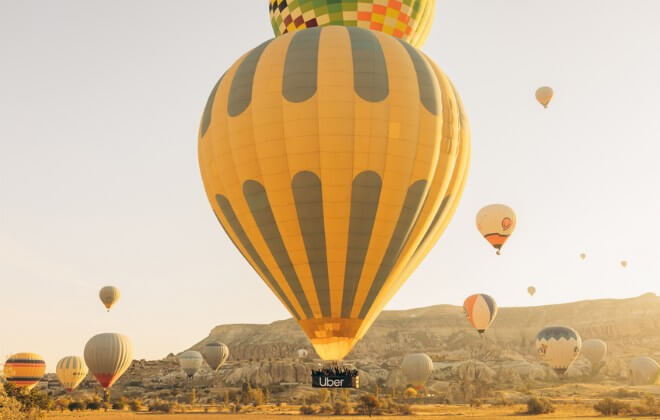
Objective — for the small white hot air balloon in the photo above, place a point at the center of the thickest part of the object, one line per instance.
(190, 361)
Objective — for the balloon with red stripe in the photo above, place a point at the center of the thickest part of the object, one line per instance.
(480, 310)
(24, 370)
(108, 356)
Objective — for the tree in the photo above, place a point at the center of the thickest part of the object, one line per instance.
(369, 403)
(410, 392)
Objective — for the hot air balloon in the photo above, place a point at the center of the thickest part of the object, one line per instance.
(583, 256)
(496, 222)
(302, 353)
(544, 95)
(417, 367)
(71, 371)
(24, 370)
(408, 20)
(480, 310)
(558, 347)
(531, 290)
(108, 356)
(215, 354)
(624, 263)
(594, 350)
(334, 157)
(109, 296)
(190, 361)
(643, 371)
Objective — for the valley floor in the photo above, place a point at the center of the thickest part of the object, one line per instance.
(426, 412)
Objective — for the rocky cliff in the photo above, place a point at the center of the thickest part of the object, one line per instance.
(466, 366)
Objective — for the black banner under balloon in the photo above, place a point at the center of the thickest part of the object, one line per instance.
(335, 381)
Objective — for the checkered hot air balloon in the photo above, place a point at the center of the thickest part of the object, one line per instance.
(409, 20)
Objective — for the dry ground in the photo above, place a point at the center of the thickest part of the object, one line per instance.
(426, 412)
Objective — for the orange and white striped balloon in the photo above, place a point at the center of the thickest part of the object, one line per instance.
(481, 310)
(24, 370)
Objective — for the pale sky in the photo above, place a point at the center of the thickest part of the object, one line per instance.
(99, 183)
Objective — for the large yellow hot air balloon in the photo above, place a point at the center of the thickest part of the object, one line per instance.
(333, 158)
(544, 95)
(71, 371)
(108, 356)
(109, 296)
(558, 347)
(531, 290)
(417, 367)
(24, 370)
(480, 310)
(409, 20)
(215, 354)
(496, 222)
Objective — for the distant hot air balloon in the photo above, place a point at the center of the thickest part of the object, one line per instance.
(24, 370)
(331, 196)
(558, 347)
(302, 353)
(583, 256)
(417, 367)
(190, 361)
(71, 371)
(531, 290)
(481, 311)
(594, 350)
(544, 95)
(644, 371)
(215, 354)
(108, 356)
(624, 263)
(409, 20)
(496, 222)
(109, 296)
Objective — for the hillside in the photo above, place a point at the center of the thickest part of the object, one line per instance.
(466, 366)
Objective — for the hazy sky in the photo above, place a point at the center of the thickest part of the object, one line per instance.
(99, 183)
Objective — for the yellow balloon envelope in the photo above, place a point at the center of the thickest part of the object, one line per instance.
(544, 95)
(24, 370)
(333, 158)
(531, 290)
(409, 20)
(624, 263)
(71, 371)
(109, 295)
(583, 256)
(496, 222)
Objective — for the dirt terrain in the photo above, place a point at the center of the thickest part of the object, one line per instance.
(569, 411)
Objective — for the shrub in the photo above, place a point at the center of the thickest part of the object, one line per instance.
(539, 406)
(93, 405)
(136, 405)
(341, 409)
(120, 404)
(611, 407)
(307, 410)
(10, 408)
(162, 407)
(77, 405)
(410, 392)
(326, 409)
(368, 404)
